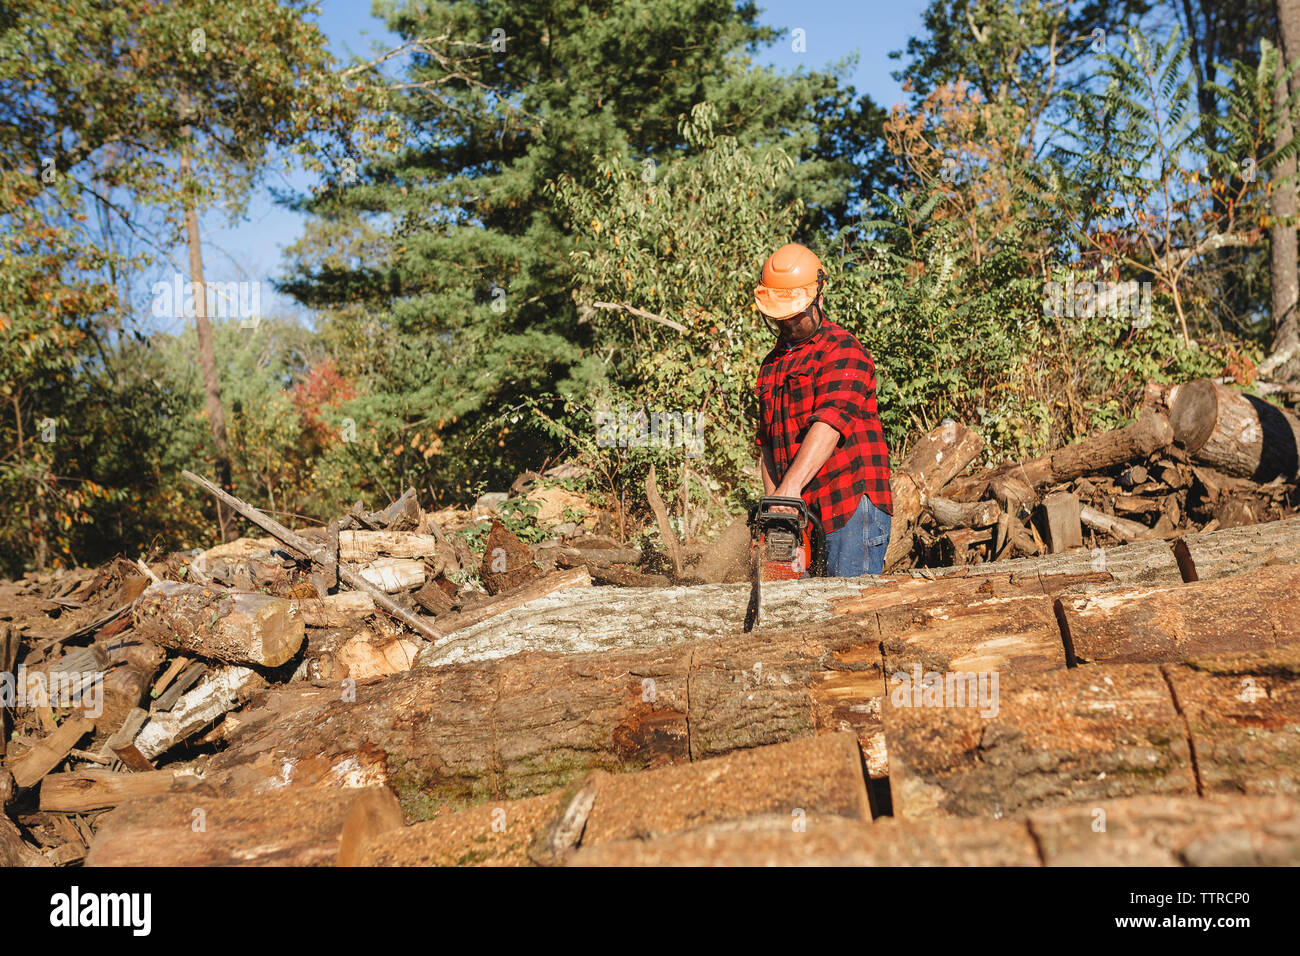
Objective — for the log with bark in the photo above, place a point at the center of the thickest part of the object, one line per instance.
(229, 626)
(1098, 732)
(1148, 434)
(1138, 831)
(214, 695)
(467, 731)
(805, 783)
(1258, 610)
(1236, 433)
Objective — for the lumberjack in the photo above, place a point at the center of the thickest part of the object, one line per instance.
(819, 435)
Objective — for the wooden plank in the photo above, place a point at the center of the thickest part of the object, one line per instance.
(1061, 514)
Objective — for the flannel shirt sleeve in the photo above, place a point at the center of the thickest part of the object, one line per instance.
(842, 388)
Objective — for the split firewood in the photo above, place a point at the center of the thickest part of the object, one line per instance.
(216, 694)
(188, 677)
(50, 752)
(392, 575)
(366, 655)
(132, 665)
(121, 743)
(507, 561)
(317, 554)
(337, 610)
(14, 850)
(230, 626)
(929, 466)
(1062, 519)
(1258, 610)
(1236, 433)
(1116, 527)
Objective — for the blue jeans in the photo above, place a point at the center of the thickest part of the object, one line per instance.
(859, 547)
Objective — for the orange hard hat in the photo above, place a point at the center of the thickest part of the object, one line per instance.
(792, 278)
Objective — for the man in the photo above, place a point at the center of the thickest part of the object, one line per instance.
(819, 435)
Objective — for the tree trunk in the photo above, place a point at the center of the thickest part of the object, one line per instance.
(1099, 732)
(1139, 831)
(237, 627)
(207, 357)
(935, 460)
(1258, 610)
(532, 723)
(805, 783)
(1236, 433)
(1284, 267)
(1148, 434)
(770, 842)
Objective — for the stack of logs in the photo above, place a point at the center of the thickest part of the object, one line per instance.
(169, 653)
(979, 715)
(1200, 456)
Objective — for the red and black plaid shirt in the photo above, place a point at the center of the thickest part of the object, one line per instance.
(828, 377)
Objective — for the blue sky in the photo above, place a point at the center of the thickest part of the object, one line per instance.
(251, 248)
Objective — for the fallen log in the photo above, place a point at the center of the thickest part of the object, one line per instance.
(1258, 610)
(469, 731)
(1236, 433)
(1171, 831)
(773, 842)
(253, 830)
(1243, 719)
(98, 788)
(1115, 527)
(448, 624)
(1148, 434)
(805, 783)
(1093, 733)
(1137, 831)
(1234, 550)
(229, 626)
(930, 465)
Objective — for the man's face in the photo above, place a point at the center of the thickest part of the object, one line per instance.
(799, 326)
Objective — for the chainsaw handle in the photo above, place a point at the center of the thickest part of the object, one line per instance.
(768, 502)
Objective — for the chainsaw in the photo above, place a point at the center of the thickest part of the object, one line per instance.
(782, 547)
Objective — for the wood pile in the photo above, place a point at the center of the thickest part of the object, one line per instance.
(115, 679)
(340, 696)
(1200, 456)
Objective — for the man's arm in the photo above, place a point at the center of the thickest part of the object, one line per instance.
(767, 468)
(817, 446)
